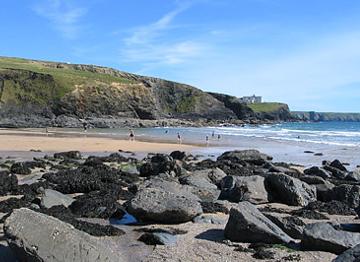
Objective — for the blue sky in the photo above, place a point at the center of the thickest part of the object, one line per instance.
(305, 53)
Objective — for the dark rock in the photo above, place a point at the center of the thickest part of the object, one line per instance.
(158, 238)
(349, 194)
(233, 191)
(215, 207)
(249, 156)
(154, 205)
(86, 179)
(333, 207)
(350, 255)
(8, 205)
(114, 157)
(157, 164)
(354, 176)
(69, 154)
(337, 164)
(247, 224)
(324, 237)
(20, 168)
(98, 205)
(291, 225)
(178, 155)
(289, 190)
(65, 215)
(309, 214)
(37, 237)
(8, 183)
(339, 174)
(317, 171)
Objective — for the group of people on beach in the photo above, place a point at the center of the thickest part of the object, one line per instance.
(179, 137)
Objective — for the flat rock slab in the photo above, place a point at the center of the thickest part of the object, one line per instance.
(156, 205)
(324, 237)
(247, 224)
(37, 237)
(52, 198)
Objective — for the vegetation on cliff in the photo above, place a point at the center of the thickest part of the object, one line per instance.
(53, 89)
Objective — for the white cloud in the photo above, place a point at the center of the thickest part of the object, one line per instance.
(63, 15)
(149, 47)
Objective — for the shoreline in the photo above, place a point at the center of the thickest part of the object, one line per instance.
(18, 143)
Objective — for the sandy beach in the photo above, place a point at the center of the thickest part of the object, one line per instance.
(23, 140)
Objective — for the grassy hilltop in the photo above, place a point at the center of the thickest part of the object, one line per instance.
(35, 87)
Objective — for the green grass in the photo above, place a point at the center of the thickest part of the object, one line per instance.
(265, 107)
(66, 78)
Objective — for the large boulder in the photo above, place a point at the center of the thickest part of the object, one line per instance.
(349, 194)
(37, 237)
(233, 191)
(204, 183)
(52, 198)
(156, 205)
(288, 190)
(249, 156)
(256, 191)
(324, 237)
(247, 224)
(350, 255)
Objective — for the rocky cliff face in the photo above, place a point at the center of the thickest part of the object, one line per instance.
(52, 90)
(241, 110)
(325, 116)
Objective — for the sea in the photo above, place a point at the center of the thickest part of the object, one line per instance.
(327, 133)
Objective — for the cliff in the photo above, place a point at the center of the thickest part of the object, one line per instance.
(325, 116)
(38, 91)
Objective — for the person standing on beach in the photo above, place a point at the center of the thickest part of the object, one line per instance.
(131, 135)
(179, 138)
(207, 140)
(219, 136)
(213, 134)
(85, 126)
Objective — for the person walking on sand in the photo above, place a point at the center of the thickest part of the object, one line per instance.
(213, 134)
(131, 135)
(219, 136)
(179, 138)
(207, 140)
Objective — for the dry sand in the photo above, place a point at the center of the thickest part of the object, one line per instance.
(18, 140)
